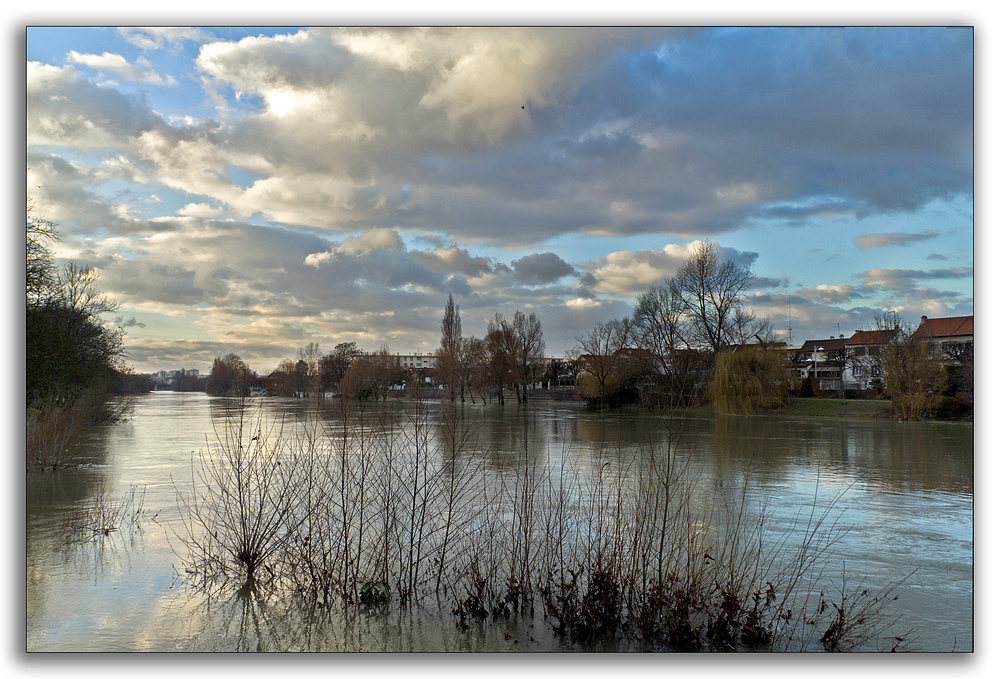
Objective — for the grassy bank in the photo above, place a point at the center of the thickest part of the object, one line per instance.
(835, 407)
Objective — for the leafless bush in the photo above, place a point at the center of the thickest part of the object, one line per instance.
(235, 518)
(105, 514)
(385, 507)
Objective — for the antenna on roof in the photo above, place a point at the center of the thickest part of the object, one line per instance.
(789, 320)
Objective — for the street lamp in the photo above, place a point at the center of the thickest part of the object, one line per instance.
(815, 364)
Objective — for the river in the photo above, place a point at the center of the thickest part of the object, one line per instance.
(904, 491)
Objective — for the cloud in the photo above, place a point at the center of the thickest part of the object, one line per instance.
(829, 294)
(67, 193)
(352, 128)
(142, 71)
(130, 323)
(539, 269)
(373, 136)
(900, 290)
(633, 272)
(66, 110)
(903, 279)
(199, 210)
(376, 239)
(892, 238)
(453, 259)
(158, 37)
(583, 303)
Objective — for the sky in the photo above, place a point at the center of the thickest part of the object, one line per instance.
(252, 190)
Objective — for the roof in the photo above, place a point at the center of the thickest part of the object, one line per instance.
(956, 326)
(823, 345)
(634, 352)
(871, 337)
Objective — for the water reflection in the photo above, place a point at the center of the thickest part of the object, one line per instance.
(909, 490)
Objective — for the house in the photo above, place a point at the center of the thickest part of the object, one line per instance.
(863, 363)
(949, 337)
(418, 361)
(824, 361)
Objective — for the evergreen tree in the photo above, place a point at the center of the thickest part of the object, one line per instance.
(449, 355)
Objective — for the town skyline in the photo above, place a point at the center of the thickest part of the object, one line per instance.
(255, 190)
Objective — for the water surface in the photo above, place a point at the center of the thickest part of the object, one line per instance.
(905, 491)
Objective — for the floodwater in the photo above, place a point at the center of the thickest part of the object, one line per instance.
(904, 490)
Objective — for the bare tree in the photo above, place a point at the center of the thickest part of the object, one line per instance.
(711, 293)
(334, 365)
(312, 355)
(40, 270)
(601, 354)
(911, 375)
(372, 375)
(77, 289)
(470, 363)
(529, 350)
(499, 354)
(660, 326)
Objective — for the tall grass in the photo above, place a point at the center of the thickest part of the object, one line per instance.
(52, 424)
(377, 509)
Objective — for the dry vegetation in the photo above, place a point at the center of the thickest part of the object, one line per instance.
(378, 511)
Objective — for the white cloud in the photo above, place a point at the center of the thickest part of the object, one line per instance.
(142, 71)
(376, 239)
(158, 37)
(829, 294)
(891, 238)
(629, 273)
(453, 258)
(583, 303)
(203, 210)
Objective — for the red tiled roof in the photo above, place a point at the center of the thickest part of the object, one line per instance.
(862, 337)
(945, 327)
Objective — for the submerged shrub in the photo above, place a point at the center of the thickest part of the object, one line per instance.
(243, 500)
(389, 508)
(375, 594)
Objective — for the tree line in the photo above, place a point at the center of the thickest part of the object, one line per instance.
(508, 359)
(311, 373)
(694, 339)
(695, 325)
(691, 340)
(510, 356)
(74, 358)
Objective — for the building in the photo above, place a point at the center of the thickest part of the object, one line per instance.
(417, 361)
(949, 337)
(863, 362)
(824, 361)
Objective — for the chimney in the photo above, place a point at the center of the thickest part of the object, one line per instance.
(922, 319)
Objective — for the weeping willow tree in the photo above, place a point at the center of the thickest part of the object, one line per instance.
(749, 379)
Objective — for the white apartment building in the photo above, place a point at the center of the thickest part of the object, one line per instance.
(417, 361)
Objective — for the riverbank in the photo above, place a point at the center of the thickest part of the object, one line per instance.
(836, 407)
